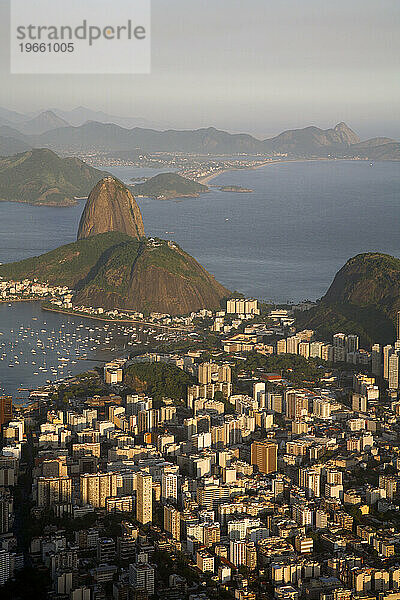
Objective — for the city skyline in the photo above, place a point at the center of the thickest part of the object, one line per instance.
(200, 330)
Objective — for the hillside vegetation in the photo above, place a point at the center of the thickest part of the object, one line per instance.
(158, 380)
(363, 298)
(152, 276)
(67, 265)
(169, 185)
(41, 177)
(114, 270)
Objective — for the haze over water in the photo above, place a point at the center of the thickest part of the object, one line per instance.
(284, 241)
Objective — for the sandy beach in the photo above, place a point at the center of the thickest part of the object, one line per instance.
(208, 178)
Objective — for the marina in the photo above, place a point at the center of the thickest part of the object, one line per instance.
(37, 347)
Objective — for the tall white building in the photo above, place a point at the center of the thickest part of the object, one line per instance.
(169, 488)
(292, 344)
(352, 343)
(144, 498)
(335, 477)
(96, 487)
(243, 306)
(376, 360)
(321, 519)
(259, 393)
(393, 375)
(387, 352)
(339, 340)
(5, 566)
(310, 481)
(53, 490)
(316, 349)
(141, 577)
(237, 552)
(302, 514)
(322, 408)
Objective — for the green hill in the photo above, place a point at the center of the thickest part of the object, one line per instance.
(169, 185)
(41, 177)
(151, 276)
(363, 298)
(67, 265)
(158, 380)
(369, 323)
(114, 270)
(377, 149)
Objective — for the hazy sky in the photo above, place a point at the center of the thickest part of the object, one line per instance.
(251, 65)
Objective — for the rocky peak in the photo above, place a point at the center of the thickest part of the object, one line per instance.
(347, 135)
(111, 207)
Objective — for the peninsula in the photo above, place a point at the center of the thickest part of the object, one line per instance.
(112, 265)
(40, 177)
(166, 186)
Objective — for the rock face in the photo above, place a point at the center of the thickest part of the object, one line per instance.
(370, 279)
(114, 270)
(315, 141)
(110, 207)
(112, 265)
(345, 134)
(154, 276)
(363, 298)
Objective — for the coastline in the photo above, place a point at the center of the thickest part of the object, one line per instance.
(267, 163)
(174, 196)
(50, 204)
(11, 301)
(108, 320)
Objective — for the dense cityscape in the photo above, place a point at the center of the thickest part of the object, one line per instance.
(263, 465)
(199, 300)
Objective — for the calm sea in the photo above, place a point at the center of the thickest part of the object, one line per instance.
(284, 241)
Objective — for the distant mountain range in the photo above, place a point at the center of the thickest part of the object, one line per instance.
(80, 115)
(11, 116)
(52, 118)
(31, 124)
(43, 122)
(41, 177)
(82, 130)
